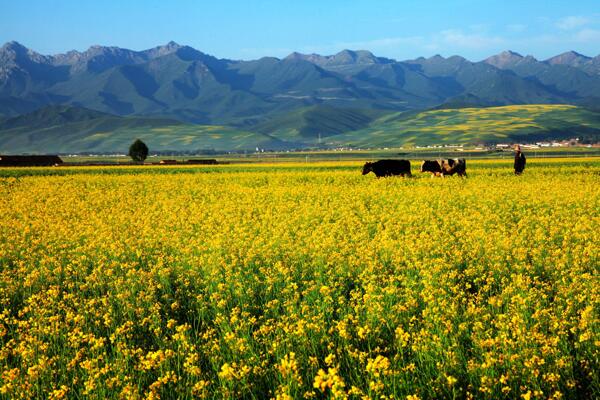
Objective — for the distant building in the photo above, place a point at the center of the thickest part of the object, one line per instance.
(30, 161)
(168, 162)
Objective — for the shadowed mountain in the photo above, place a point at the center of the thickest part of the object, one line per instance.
(346, 61)
(312, 124)
(51, 116)
(465, 101)
(492, 85)
(562, 74)
(180, 82)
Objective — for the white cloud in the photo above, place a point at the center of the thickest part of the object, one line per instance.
(453, 40)
(440, 40)
(375, 45)
(378, 45)
(472, 41)
(572, 22)
(587, 36)
(385, 42)
(449, 40)
(458, 38)
(566, 40)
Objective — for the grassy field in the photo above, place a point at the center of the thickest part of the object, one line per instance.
(300, 280)
(518, 123)
(312, 127)
(312, 156)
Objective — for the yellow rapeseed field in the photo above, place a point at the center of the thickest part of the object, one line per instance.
(294, 281)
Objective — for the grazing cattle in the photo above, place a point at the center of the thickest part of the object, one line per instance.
(388, 168)
(442, 168)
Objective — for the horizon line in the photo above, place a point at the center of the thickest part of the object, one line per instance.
(173, 43)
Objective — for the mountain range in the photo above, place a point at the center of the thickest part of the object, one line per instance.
(298, 100)
(180, 82)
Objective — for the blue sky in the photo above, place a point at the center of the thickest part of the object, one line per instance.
(252, 29)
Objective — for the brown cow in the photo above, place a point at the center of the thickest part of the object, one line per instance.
(445, 167)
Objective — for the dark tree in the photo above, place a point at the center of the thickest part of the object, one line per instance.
(138, 151)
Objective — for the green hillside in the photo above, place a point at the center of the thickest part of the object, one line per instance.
(524, 123)
(63, 129)
(71, 139)
(308, 124)
(59, 129)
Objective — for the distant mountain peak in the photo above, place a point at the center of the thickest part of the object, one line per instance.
(511, 53)
(13, 45)
(16, 51)
(353, 53)
(571, 58)
(296, 56)
(97, 49)
(436, 57)
(344, 57)
(575, 54)
(171, 46)
(164, 50)
(506, 59)
(356, 57)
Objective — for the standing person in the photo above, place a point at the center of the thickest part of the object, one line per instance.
(519, 160)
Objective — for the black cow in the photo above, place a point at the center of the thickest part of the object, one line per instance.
(388, 168)
(442, 168)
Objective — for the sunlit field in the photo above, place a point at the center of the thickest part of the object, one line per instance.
(300, 280)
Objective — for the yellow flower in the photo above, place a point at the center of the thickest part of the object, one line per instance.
(451, 380)
(288, 365)
(227, 372)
